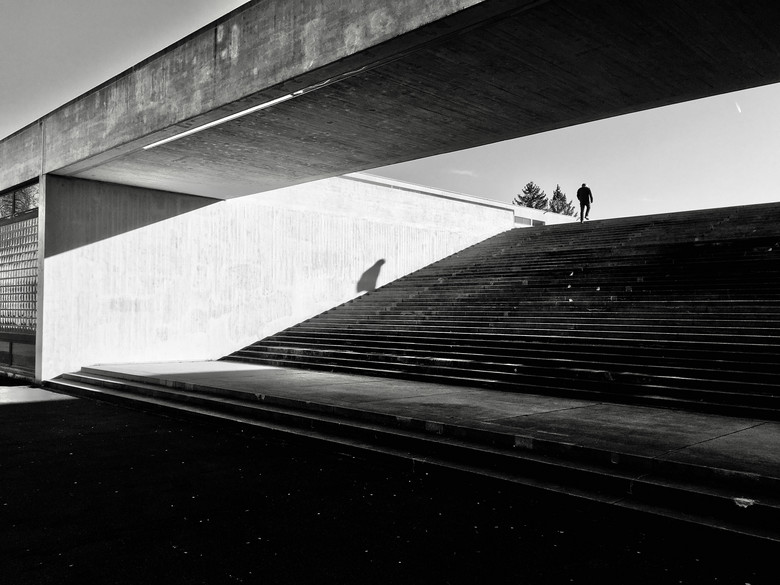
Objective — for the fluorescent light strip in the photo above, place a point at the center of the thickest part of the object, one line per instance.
(278, 100)
(246, 112)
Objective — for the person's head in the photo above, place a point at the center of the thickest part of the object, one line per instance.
(584, 185)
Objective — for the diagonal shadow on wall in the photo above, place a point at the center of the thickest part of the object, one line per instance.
(80, 212)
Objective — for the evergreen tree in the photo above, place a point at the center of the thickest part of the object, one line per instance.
(560, 204)
(533, 197)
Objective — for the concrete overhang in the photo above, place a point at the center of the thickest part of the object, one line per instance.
(377, 83)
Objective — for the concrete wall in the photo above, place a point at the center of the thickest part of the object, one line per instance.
(206, 281)
(536, 215)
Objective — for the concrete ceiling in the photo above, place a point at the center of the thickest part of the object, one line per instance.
(515, 73)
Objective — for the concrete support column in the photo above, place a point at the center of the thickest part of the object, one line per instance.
(41, 282)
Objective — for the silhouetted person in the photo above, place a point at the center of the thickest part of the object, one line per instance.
(368, 279)
(586, 198)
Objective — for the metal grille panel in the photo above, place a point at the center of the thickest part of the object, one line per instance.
(18, 275)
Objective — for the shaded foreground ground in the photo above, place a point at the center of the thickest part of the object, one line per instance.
(93, 493)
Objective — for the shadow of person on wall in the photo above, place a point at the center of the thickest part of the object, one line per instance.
(367, 281)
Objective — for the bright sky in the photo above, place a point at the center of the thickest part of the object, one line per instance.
(714, 152)
(709, 153)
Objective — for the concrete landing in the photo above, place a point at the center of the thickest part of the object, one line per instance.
(718, 443)
(94, 493)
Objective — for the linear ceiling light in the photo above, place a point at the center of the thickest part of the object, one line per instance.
(262, 106)
(246, 112)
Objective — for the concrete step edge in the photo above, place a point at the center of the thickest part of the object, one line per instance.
(516, 443)
(655, 400)
(705, 502)
(725, 394)
(491, 362)
(468, 353)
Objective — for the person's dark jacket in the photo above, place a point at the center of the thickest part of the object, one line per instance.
(584, 195)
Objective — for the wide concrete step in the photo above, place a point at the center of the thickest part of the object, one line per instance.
(562, 306)
(604, 353)
(519, 344)
(734, 398)
(751, 264)
(610, 250)
(599, 291)
(746, 374)
(595, 292)
(687, 492)
(530, 283)
(585, 266)
(584, 298)
(639, 261)
(565, 311)
(560, 273)
(487, 313)
(763, 343)
(765, 328)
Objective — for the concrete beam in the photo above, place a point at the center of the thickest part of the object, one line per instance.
(20, 156)
(258, 52)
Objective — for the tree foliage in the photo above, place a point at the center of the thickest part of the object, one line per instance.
(532, 196)
(560, 204)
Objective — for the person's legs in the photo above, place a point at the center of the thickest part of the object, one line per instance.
(586, 209)
(582, 211)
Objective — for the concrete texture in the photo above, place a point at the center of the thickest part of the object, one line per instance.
(136, 275)
(752, 449)
(20, 154)
(95, 493)
(28, 395)
(655, 432)
(720, 442)
(394, 82)
(233, 64)
(81, 212)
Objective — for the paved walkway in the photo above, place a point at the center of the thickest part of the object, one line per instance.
(94, 493)
(713, 441)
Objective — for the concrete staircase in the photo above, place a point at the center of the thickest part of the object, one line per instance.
(679, 310)
(629, 473)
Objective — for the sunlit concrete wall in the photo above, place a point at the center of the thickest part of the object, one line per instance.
(132, 275)
(528, 217)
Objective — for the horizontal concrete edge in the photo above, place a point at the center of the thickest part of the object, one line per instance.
(425, 190)
(20, 154)
(620, 458)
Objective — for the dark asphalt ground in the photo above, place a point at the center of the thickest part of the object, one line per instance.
(93, 493)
